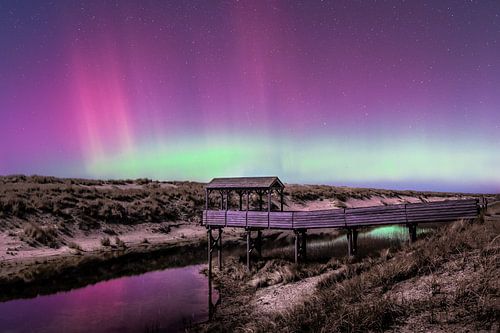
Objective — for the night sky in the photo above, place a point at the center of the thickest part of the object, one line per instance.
(397, 94)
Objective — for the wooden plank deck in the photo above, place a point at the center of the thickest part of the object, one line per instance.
(441, 211)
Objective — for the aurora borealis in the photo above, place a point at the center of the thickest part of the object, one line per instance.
(398, 94)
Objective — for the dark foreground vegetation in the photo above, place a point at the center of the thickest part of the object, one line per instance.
(448, 281)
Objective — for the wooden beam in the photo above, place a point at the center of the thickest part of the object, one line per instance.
(268, 208)
(206, 199)
(219, 248)
(281, 199)
(249, 235)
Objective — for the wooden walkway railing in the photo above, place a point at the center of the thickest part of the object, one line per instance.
(349, 218)
(441, 211)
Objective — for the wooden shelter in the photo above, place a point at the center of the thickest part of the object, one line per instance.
(244, 186)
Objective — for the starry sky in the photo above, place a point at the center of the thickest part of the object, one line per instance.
(395, 94)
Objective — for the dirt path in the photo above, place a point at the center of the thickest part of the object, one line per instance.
(282, 297)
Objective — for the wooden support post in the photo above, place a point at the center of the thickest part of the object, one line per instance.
(260, 200)
(269, 200)
(258, 243)
(355, 241)
(248, 200)
(300, 245)
(296, 256)
(268, 208)
(219, 248)
(249, 235)
(221, 200)
(412, 230)
(241, 200)
(349, 242)
(227, 200)
(253, 244)
(209, 238)
(211, 306)
(304, 245)
(214, 243)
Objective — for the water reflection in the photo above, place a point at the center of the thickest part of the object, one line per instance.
(370, 241)
(161, 301)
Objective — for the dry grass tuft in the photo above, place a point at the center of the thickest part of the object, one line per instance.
(119, 243)
(36, 235)
(274, 272)
(75, 246)
(105, 241)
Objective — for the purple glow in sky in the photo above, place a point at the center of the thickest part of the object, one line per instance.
(379, 93)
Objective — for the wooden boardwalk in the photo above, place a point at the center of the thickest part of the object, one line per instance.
(350, 219)
(405, 214)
